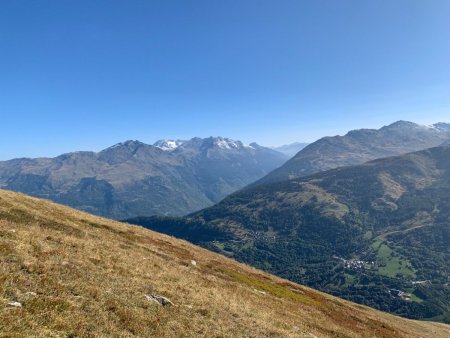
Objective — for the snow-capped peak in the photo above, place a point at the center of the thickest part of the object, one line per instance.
(168, 145)
(226, 143)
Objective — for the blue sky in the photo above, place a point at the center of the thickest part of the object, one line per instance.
(83, 75)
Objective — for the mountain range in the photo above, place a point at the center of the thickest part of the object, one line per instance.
(134, 179)
(65, 273)
(177, 177)
(359, 146)
(376, 233)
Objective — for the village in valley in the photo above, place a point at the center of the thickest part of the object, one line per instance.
(356, 264)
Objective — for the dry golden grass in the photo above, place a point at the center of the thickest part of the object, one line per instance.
(90, 277)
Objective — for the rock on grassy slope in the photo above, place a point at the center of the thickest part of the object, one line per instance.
(64, 273)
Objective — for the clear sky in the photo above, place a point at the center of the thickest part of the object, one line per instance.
(85, 74)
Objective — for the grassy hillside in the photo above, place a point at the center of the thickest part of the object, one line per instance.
(377, 234)
(76, 275)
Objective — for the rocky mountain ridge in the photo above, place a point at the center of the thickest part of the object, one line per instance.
(359, 146)
(133, 178)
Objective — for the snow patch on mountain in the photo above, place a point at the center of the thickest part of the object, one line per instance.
(168, 145)
(226, 143)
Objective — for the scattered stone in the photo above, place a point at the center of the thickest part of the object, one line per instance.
(312, 335)
(296, 290)
(159, 299)
(28, 295)
(194, 263)
(189, 306)
(259, 291)
(15, 304)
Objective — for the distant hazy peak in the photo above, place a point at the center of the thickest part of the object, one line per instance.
(255, 145)
(290, 149)
(442, 126)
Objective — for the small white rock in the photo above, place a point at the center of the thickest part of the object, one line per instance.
(15, 304)
(159, 299)
(194, 263)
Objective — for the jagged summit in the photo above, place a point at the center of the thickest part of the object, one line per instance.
(220, 142)
(168, 145)
(226, 143)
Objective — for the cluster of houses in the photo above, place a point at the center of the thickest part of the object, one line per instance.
(260, 236)
(421, 282)
(401, 294)
(355, 264)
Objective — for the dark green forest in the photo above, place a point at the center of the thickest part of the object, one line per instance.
(377, 234)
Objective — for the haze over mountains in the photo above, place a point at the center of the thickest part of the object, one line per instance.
(291, 149)
(359, 146)
(376, 233)
(133, 178)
